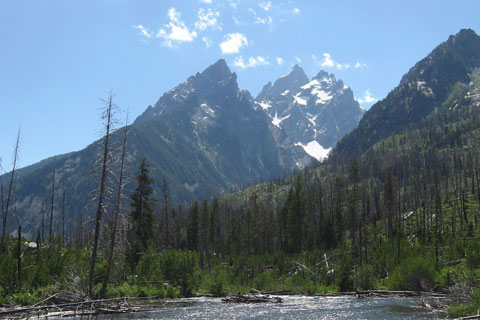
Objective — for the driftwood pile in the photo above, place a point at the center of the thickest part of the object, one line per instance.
(254, 297)
(82, 308)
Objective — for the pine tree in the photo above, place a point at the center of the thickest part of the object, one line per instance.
(141, 216)
(338, 223)
(296, 218)
(192, 228)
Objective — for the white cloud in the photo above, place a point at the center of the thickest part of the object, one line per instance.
(233, 42)
(266, 20)
(265, 5)
(143, 31)
(175, 31)
(280, 61)
(208, 42)
(360, 65)
(233, 4)
(206, 1)
(296, 11)
(298, 60)
(250, 63)
(367, 98)
(327, 60)
(342, 66)
(207, 18)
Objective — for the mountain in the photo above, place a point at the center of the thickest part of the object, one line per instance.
(204, 137)
(308, 117)
(422, 90)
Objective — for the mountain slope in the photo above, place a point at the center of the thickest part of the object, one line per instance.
(424, 88)
(203, 137)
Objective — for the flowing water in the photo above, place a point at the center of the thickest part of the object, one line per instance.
(293, 307)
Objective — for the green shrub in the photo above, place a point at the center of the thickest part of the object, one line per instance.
(472, 254)
(365, 277)
(465, 309)
(414, 273)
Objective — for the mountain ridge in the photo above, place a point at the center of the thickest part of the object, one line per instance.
(422, 89)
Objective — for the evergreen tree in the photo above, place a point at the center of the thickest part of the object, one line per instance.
(353, 198)
(192, 228)
(338, 196)
(141, 216)
(296, 218)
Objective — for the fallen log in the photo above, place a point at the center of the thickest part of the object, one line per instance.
(252, 299)
(88, 307)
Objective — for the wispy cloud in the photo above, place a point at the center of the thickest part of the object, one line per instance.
(367, 98)
(250, 63)
(259, 20)
(280, 61)
(175, 31)
(206, 19)
(360, 65)
(265, 5)
(206, 1)
(233, 42)
(143, 31)
(296, 11)
(298, 60)
(327, 62)
(208, 42)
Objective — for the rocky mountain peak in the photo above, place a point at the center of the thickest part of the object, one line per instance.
(217, 72)
(291, 81)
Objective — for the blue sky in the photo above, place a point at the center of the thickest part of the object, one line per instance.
(59, 57)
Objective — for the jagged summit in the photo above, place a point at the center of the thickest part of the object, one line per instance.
(291, 81)
(309, 116)
(217, 72)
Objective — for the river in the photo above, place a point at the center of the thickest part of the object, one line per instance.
(293, 307)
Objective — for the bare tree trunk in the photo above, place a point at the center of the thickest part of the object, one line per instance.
(100, 195)
(50, 232)
(5, 212)
(19, 257)
(63, 211)
(117, 210)
(42, 212)
(165, 192)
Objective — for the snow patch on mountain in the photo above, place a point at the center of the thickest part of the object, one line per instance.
(300, 100)
(315, 150)
(312, 83)
(264, 104)
(276, 120)
(322, 96)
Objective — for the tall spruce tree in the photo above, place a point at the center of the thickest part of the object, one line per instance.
(141, 216)
(296, 218)
(192, 228)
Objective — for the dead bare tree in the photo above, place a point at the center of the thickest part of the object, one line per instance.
(9, 194)
(107, 116)
(50, 232)
(116, 212)
(63, 210)
(166, 194)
